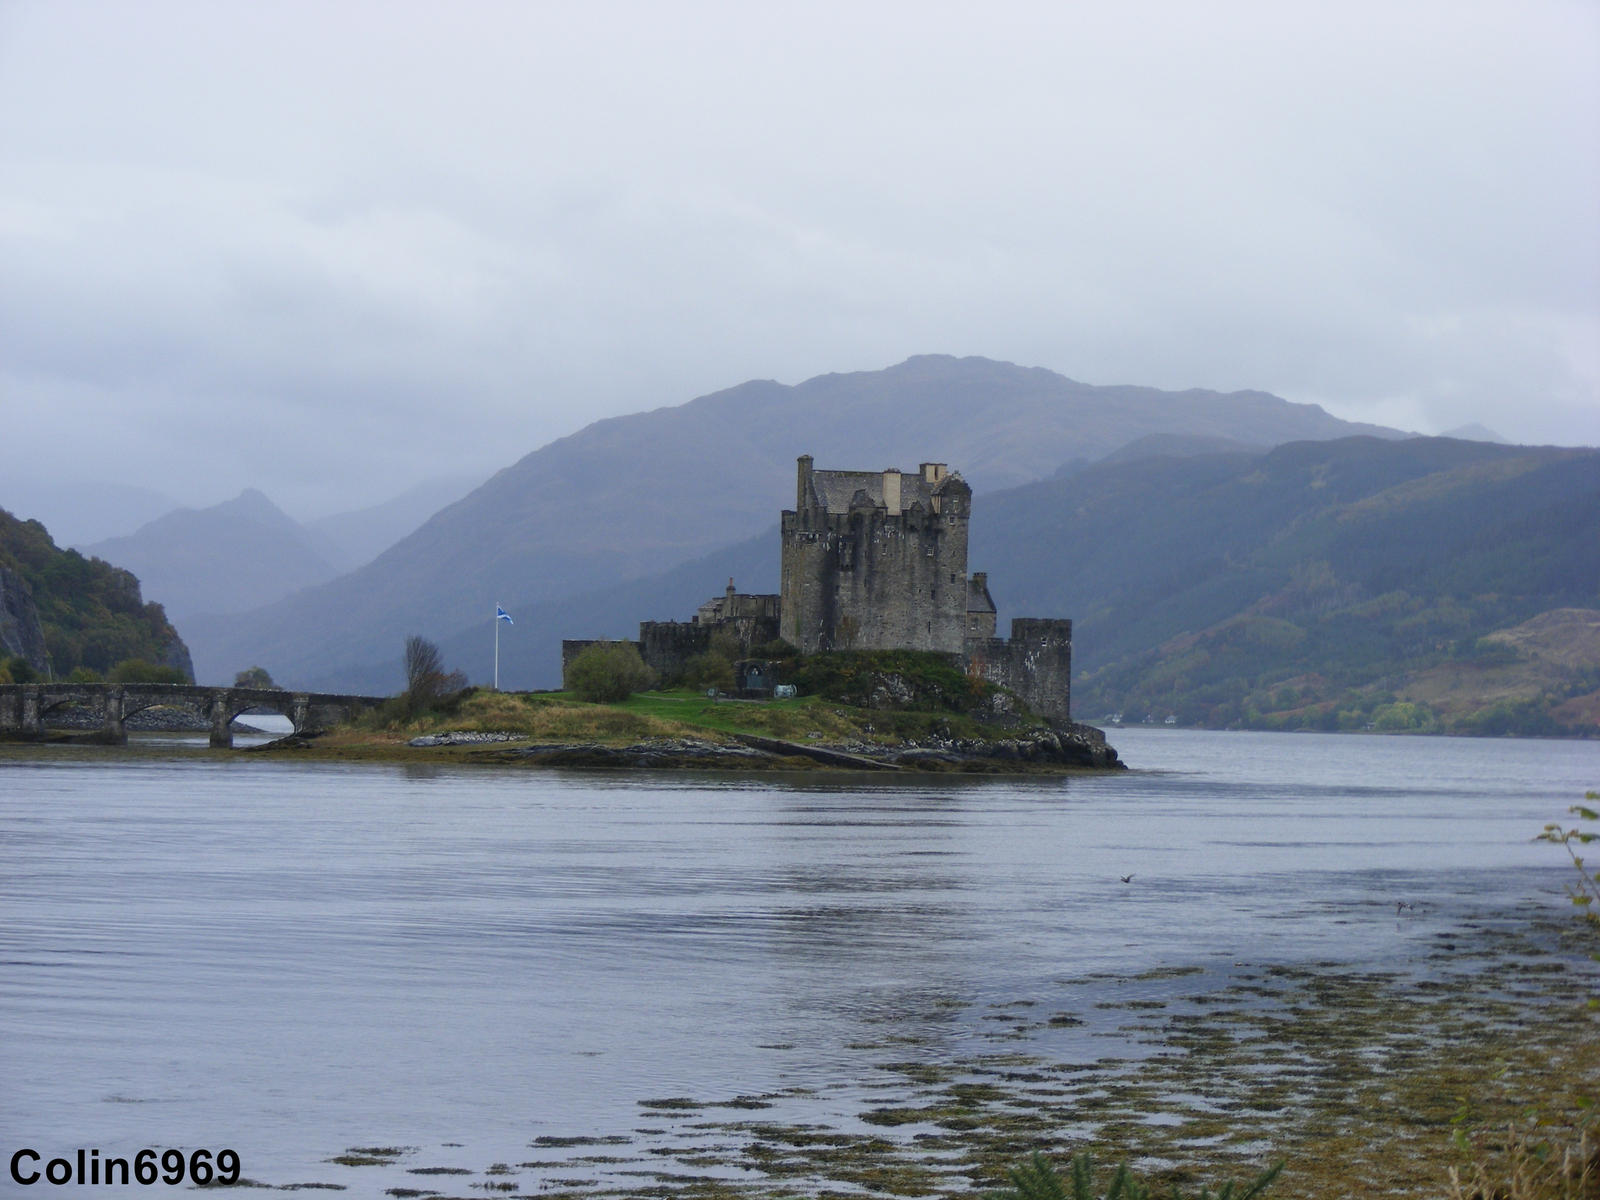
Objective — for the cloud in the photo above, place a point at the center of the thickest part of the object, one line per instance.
(329, 250)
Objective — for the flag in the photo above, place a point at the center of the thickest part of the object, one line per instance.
(503, 615)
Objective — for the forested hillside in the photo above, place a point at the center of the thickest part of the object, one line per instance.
(1321, 585)
(92, 614)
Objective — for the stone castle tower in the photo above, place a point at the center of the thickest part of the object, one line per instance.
(876, 560)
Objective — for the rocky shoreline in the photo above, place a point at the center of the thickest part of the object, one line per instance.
(1072, 747)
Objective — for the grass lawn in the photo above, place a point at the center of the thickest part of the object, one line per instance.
(559, 717)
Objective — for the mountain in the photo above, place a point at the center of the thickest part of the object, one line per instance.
(1475, 433)
(230, 557)
(1172, 445)
(1426, 584)
(1542, 676)
(85, 510)
(60, 611)
(1310, 586)
(351, 539)
(632, 496)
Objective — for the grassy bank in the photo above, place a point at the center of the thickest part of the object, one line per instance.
(557, 717)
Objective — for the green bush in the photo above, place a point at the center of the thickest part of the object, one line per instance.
(1401, 716)
(708, 670)
(607, 672)
(1586, 892)
(1514, 718)
(136, 670)
(776, 649)
(855, 676)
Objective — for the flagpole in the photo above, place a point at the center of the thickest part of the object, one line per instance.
(497, 647)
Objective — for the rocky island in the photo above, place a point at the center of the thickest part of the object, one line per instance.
(860, 711)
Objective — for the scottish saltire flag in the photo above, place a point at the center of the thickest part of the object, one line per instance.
(503, 615)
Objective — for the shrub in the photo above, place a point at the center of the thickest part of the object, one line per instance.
(777, 649)
(1401, 716)
(708, 670)
(916, 679)
(17, 670)
(607, 672)
(1586, 892)
(1514, 718)
(136, 670)
(255, 677)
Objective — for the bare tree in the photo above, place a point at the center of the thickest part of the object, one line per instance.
(423, 663)
(426, 680)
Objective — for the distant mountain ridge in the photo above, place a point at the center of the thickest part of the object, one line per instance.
(353, 539)
(1424, 584)
(631, 496)
(233, 556)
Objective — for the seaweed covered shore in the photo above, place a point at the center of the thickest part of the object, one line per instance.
(1479, 1057)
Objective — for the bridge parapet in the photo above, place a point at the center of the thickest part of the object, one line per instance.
(24, 706)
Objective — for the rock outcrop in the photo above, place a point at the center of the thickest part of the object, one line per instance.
(21, 635)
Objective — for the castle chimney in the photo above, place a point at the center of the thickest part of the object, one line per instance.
(933, 472)
(802, 483)
(891, 490)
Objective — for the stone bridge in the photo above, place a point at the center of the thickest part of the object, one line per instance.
(25, 707)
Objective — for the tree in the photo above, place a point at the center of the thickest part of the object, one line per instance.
(426, 679)
(136, 670)
(708, 670)
(607, 672)
(255, 677)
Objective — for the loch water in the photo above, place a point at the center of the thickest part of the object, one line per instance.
(291, 958)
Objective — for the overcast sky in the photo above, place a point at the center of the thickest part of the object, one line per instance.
(331, 249)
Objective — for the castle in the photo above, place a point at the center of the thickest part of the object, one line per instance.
(877, 560)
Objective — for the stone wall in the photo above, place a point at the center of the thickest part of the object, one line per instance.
(885, 569)
(1035, 663)
(667, 646)
(877, 560)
